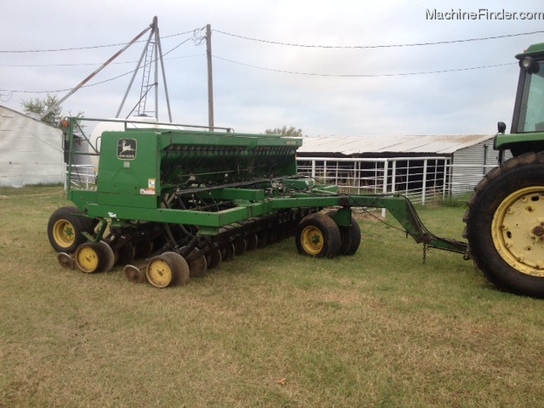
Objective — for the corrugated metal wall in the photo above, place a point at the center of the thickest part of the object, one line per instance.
(470, 165)
(30, 151)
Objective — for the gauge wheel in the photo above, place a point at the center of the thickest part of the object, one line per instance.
(505, 225)
(91, 257)
(109, 257)
(318, 236)
(65, 229)
(161, 272)
(182, 268)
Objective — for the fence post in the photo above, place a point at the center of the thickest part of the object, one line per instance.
(424, 183)
(384, 188)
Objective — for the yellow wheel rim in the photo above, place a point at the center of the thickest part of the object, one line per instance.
(64, 233)
(312, 240)
(518, 230)
(86, 258)
(159, 273)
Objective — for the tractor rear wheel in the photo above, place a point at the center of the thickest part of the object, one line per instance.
(505, 225)
(65, 229)
(318, 236)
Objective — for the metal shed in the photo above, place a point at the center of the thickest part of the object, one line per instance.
(30, 150)
(418, 166)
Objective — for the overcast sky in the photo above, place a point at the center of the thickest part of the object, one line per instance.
(358, 72)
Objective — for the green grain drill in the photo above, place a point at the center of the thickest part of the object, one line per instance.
(169, 203)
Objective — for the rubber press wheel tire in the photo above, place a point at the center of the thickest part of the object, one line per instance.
(318, 236)
(65, 229)
(505, 225)
(350, 236)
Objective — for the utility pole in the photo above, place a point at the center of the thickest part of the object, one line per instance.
(210, 76)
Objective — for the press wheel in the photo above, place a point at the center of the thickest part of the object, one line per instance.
(133, 274)
(65, 260)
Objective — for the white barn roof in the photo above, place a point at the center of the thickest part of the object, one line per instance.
(350, 145)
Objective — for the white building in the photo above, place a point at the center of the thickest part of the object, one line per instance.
(31, 151)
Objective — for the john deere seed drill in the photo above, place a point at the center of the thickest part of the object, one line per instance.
(168, 204)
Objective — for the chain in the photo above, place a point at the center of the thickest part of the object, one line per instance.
(424, 252)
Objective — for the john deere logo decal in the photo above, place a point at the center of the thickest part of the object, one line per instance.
(126, 149)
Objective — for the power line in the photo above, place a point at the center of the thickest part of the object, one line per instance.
(496, 37)
(82, 64)
(90, 47)
(95, 83)
(442, 71)
(68, 89)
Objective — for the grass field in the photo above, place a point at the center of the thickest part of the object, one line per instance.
(270, 329)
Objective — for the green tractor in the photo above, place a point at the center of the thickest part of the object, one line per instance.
(505, 216)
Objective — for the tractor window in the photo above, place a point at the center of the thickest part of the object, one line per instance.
(532, 104)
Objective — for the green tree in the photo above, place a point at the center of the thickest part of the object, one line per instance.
(285, 131)
(40, 106)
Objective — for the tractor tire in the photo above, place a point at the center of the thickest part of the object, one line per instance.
(505, 225)
(65, 228)
(318, 236)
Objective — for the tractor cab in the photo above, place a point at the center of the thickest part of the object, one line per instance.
(527, 131)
